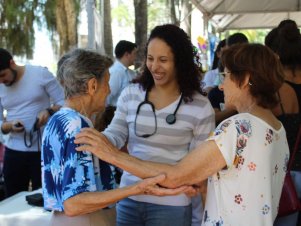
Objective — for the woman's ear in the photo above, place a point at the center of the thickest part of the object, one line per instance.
(92, 86)
(246, 82)
(12, 64)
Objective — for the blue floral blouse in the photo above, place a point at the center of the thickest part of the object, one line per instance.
(66, 172)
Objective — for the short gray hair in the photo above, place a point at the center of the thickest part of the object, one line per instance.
(62, 61)
(78, 67)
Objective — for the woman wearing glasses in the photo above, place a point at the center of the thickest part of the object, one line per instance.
(162, 116)
(245, 159)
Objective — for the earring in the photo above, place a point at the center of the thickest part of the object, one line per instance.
(250, 84)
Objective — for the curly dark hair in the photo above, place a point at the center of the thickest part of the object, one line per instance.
(188, 75)
(265, 69)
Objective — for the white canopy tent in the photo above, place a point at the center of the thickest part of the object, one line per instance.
(248, 14)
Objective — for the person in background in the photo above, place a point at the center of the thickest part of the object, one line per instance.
(77, 187)
(287, 45)
(121, 75)
(218, 52)
(285, 41)
(163, 116)
(212, 75)
(236, 38)
(30, 95)
(216, 95)
(247, 150)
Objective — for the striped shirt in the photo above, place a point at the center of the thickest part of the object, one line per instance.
(169, 144)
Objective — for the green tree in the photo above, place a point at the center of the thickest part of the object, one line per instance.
(123, 15)
(186, 20)
(17, 19)
(66, 14)
(175, 13)
(16, 25)
(158, 13)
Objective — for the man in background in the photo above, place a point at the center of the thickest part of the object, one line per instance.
(120, 77)
(120, 74)
(211, 76)
(30, 95)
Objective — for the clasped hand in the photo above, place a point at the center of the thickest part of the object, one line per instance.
(150, 186)
(93, 141)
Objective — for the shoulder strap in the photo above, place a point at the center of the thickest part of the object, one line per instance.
(282, 109)
(296, 147)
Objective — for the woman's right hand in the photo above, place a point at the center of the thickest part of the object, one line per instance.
(12, 126)
(95, 142)
(150, 186)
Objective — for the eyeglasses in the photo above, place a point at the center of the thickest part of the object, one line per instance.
(222, 76)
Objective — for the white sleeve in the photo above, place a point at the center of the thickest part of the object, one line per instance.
(204, 127)
(117, 131)
(52, 87)
(225, 136)
(209, 79)
(1, 119)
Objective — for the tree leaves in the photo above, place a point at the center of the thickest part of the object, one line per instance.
(16, 26)
(18, 19)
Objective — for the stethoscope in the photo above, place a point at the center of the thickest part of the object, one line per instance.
(170, 119)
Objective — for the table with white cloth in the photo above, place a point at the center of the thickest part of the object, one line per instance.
(15, 211)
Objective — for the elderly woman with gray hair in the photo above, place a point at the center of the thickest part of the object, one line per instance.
(75, 183)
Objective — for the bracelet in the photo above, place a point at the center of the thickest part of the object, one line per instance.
(50, 111)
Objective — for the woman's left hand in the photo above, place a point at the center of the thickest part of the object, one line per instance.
(42, 119)
(200, 188)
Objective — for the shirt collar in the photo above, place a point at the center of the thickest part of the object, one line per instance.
(121, 65)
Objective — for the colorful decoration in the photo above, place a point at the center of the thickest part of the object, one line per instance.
(202, 43)
(197, 57)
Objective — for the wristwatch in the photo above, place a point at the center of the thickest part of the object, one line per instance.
(50, 111)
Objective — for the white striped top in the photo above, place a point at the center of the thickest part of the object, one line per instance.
(170, 143)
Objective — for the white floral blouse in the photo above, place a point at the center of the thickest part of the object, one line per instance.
(248, 190)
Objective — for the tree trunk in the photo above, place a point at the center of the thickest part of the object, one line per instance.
(66, 22)
(108, 41)
(140, 29)
(186, 20)
(173, 15)
(71, 23)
